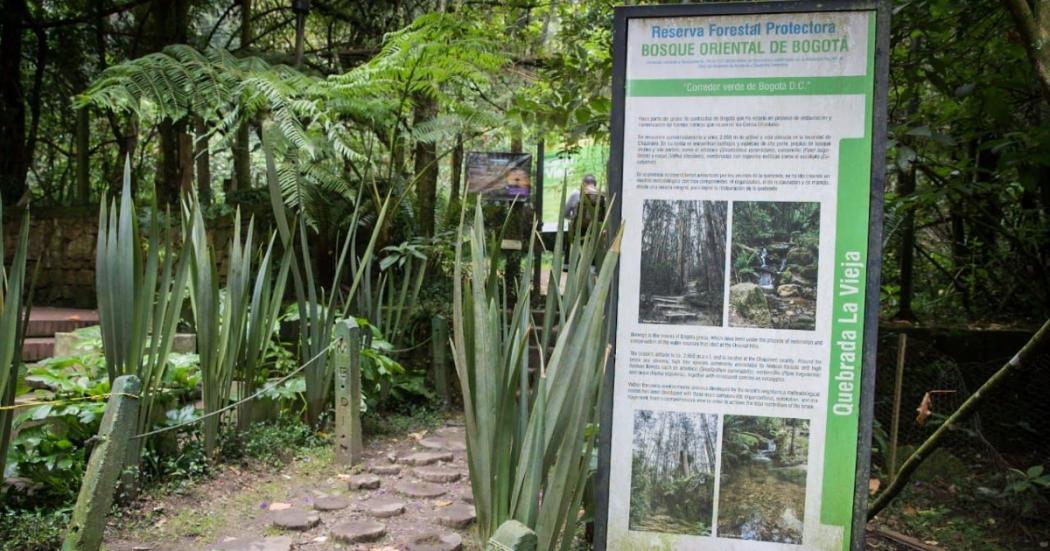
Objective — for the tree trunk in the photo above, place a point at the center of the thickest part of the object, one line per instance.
(1034, 27)
(906, 183)
(13, 161)
(455, 182)
(203, 163)
(175, 170)
(426, 170)
(83, 157)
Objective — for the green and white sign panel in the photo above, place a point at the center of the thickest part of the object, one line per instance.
(744, 139)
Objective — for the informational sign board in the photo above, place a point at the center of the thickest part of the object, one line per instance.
(747, 166)
(500, 176)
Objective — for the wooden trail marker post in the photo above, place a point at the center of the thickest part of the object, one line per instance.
(105, 466)
(347, 358)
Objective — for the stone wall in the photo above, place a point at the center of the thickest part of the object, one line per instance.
(63, 241)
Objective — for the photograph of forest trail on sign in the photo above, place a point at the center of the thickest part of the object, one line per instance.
(774, 265)
(683, 262)
(672, 472)
(762, 491)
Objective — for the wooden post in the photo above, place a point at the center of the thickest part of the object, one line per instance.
(347, 358)
(103, 470)
(898, 386)
(512, 536)
(439, 363)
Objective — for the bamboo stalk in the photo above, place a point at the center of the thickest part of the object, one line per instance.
(1032, 348)
(898, 385)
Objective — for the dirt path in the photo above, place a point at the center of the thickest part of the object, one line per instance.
(410, 494)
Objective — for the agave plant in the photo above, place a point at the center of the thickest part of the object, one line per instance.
(140, 296)
(319, 306)
(267, 294)
(12, 283)
(220, 315)
(530, 449)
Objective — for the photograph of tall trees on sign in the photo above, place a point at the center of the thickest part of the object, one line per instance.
(683, 262)
(774, 265)
(672, 472)
(762, 487)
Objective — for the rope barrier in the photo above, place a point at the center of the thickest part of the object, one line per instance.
(67, 401)
(411, 348)
(241, 401)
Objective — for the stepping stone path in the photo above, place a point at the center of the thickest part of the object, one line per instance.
(411, 494)
(385, 470)
(358, 531)
(364, 482)
(275, 543)
(443, 444)
(426, 458)
(295, 519)
(437, 474)
(384, 507)
(420, 489)
(457, 516)
(434, 541)
(331, 503)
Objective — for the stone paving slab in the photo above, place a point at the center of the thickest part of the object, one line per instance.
(358, 531)
(442, 475)
(295, 519)
(420, 490)
(435, 541)
(419, 459)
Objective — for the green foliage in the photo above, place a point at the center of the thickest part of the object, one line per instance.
(12, 284)
(530, 449)
(33, 529)
(52, 441)
(220, 315)
(1027, 490)
(139, 297)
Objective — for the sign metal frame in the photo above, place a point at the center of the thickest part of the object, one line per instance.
(882, 11)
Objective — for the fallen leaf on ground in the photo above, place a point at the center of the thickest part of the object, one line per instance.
(343, 476)
(925, 409)
(873, 486)
(442, 503)
(278, 506)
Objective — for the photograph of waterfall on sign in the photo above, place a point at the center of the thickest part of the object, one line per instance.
(774, 265)
(672, 472)
(762, 489)
(683, 262)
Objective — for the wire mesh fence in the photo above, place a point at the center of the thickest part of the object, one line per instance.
(923, 378)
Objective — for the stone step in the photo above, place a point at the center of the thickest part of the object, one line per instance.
(295, 519)
(419, 490)
(331, 503)
(383, 507)
(45, 321)
(358, 531)
(364, 482)
(438, 474)
(458, 516)
(434, 541)
(419, 459)
(35, 349)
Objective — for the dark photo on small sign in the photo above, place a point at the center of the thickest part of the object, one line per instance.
(775, 259)
(682, 276)
(672, 472)
(499, 176)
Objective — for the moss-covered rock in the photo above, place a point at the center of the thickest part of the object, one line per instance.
(750, 302)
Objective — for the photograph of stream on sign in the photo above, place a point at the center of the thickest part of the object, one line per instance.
(747, 177)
